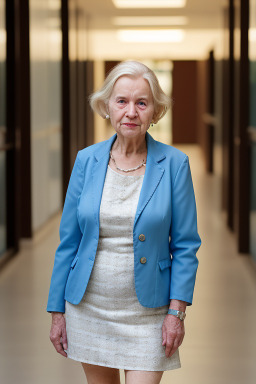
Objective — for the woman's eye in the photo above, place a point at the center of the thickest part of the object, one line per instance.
(121, 101)
(142, 103)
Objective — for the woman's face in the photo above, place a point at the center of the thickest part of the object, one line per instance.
(131, 106)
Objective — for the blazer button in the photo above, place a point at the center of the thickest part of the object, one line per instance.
(143, 260)
(142, 237)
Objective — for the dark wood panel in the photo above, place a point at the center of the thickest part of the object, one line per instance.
(12, 143)
(12, 209)
(110, 65)
(65, 95)
(210, 124)
(17, 144)
(85, 118)
(89, 115)
(184, 94)
(202, 70)
(236, 148)
(228, 115)
(206, 108)
(244, 146)
(23, 114)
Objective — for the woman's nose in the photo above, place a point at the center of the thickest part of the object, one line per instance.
(131, 110)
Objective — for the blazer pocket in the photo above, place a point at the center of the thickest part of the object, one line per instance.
(165, 263)
(74, 262)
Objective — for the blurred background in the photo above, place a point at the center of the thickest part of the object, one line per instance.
(53, 55)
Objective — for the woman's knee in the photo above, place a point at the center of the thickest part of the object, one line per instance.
(96, 374)
(143, 377)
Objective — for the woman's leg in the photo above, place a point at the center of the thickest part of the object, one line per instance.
(96, 374)
(143, 377)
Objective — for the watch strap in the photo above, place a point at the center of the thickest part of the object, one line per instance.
(181, 315)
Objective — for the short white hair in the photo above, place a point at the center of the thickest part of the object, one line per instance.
(99, 99)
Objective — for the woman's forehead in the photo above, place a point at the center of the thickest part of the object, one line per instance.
(127, 84)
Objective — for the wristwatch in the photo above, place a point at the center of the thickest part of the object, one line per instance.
(179, 314)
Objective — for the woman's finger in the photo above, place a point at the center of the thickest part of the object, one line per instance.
(174, 348)
(181, 339)
(169, 345)
(177, 343)
(59, 348)
(164, 336)
(64, 338)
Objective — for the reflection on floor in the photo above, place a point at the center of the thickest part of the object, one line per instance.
(220, 342)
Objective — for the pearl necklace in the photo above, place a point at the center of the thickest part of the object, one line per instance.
(143, 164)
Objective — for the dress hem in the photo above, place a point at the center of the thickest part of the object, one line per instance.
(175, 366)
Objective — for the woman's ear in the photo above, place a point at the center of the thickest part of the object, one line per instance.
(154, 118)
(106, 109)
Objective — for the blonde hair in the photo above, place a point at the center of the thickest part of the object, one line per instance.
(99, 99)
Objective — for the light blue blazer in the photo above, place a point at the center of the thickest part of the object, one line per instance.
(166, 216)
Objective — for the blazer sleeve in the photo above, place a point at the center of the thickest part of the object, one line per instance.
(184, 237)
(70, 237)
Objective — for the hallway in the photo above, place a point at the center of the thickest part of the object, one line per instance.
(220, 341)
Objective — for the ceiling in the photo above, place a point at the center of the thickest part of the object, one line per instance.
(200, 13)
(203, 30)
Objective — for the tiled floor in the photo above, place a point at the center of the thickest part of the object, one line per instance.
(220, 342)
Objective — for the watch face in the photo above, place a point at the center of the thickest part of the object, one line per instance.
(181, 315)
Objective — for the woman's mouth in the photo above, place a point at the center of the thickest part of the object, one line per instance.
(130, 125)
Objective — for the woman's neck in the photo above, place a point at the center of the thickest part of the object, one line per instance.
(129, 146)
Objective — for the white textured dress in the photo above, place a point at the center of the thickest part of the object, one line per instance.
(109, 327)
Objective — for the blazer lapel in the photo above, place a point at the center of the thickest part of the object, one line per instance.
(99, 170)
(153, 174)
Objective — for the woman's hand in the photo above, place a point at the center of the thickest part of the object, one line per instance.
(173, 332)
(58, 334)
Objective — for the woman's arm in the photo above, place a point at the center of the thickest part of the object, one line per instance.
(184, 245)
(70, 237)
(185, 240)
(178, 305)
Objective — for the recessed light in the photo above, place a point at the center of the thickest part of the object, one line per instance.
(149, 20)
(151, 36)
(149, 3)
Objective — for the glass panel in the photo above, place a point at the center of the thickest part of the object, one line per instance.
(3, 244)
(45, 54)
(252, 57)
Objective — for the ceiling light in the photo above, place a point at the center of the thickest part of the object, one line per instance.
(149, 20)
(149, 3)
(151, 36)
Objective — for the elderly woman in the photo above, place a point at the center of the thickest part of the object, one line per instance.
(126, 264)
